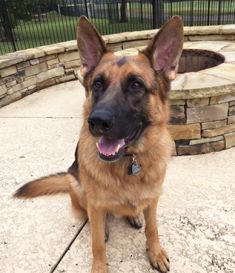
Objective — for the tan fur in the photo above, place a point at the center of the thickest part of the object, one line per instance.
(100, 188)
(58, 183)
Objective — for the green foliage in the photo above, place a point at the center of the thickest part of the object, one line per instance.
(25, 9)
(22, 9)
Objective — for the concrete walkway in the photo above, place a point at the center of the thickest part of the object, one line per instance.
(38, 136)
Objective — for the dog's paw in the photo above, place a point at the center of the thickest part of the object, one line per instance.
(135, 222)
(159, 260)
(99, 268)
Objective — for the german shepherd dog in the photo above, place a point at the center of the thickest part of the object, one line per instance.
(124, 145)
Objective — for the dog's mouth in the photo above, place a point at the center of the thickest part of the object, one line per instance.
(113, 149)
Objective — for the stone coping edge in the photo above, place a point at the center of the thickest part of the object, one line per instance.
(191, 33)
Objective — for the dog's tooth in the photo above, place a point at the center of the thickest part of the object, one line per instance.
(118, 147)
(97, 145)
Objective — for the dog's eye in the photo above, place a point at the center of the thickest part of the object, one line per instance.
(98, 85)
(136, 85)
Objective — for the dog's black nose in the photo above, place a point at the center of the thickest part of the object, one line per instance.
(100, 121)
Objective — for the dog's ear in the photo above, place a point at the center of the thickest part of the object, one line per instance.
(165, 48)
(91, 46)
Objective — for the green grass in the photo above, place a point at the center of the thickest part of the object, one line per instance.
(184, 7)
(56, 28)
(200, 7)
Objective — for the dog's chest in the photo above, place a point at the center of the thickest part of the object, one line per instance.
(129, 196)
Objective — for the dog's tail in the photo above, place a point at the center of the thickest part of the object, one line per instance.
(52, 184)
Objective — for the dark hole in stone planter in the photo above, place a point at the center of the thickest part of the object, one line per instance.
(193, 60)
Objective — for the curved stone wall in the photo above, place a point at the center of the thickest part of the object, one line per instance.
(202, 103)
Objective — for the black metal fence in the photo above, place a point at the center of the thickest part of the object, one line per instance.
(31, 23)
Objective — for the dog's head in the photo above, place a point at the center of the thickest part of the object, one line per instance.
(127, 94)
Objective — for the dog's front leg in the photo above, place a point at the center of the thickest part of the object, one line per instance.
(157, 255)
(97, 224)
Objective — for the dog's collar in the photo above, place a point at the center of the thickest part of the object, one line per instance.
(134, 167)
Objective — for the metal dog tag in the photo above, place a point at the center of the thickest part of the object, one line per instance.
(134, 168)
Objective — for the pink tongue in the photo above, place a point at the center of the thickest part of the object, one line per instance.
(109, 147)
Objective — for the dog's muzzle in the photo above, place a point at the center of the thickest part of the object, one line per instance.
(110, 148)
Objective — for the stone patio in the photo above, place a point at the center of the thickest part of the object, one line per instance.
(38, 137)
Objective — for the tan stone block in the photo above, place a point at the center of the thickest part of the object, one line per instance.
(199, 81)
(229, 56)
(69, 45)
(4, 101)
(24, 92)
(177, 114)
(227, 29)
(208, 45)
(52, 73)
(47, 58)
(115, 38)
(189, 131)
(140, 35)
(225, 37)
(7, 79)
(10, 98)
(228, 48)
(52, 62)
(33, 52)
(26, 83)
(31, 90)
(231, 110)
(72, 64)
(32, 87)
(15, 88)
(127, 52)
(197, 102)
(52, 49)
(22, 65)
(34, 61)
(229, 140)
(68, 56)
(70, 71)
(177, 102)
(214, 124)
(206, 140)
(231, 119)
(197, 30)
(222, 71)
(66, 78)
(115, 47)
(203, 92)
(201, 148)
(8, 71)
(46, 83)
(9, 84)
(132, 44)
(7, 60)
(222, 99)
(15, 96)
(20, 56)
(35, 69)
(174, 152)
(3, 90)
(219, 131)
(207, 113)
(178, 83)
